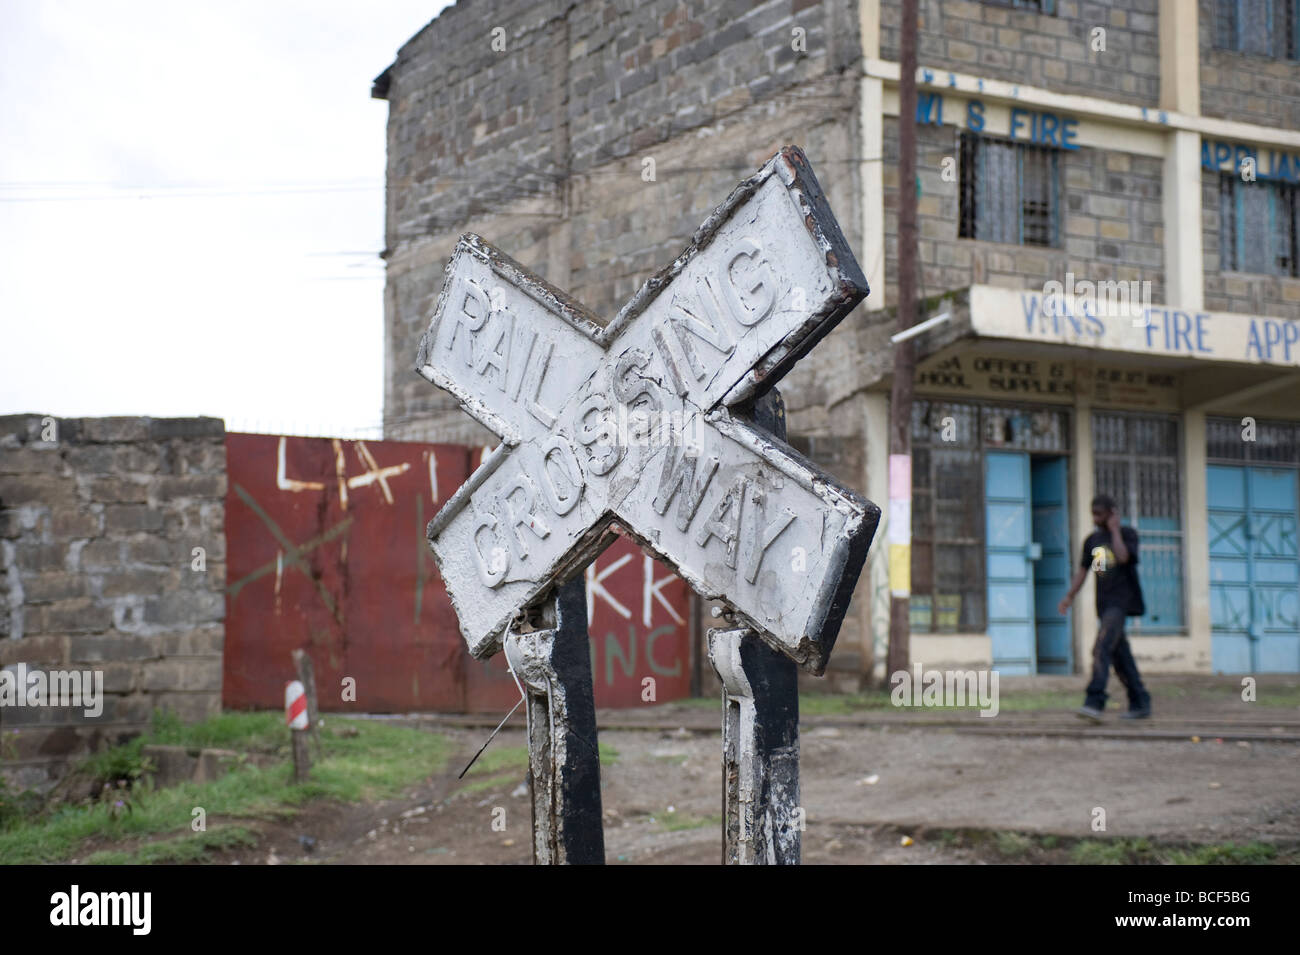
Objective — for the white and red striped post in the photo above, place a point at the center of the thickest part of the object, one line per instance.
(295, 715)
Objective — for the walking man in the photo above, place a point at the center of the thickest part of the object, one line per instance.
(1111, 552)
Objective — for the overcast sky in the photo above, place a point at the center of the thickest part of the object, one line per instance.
(191, 208)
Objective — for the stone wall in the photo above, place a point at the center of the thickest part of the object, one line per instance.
(99, 521)
(1051, 50)
(1245, 87)
(542, 147)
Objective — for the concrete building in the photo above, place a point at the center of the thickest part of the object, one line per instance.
(1108, 218)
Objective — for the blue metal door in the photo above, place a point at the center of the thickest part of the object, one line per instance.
(1010, 571)
(1051, 527)
(1254, 569)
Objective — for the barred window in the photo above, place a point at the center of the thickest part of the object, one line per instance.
(1259, 27)
(1230, 441)
(1258, 226)
(947, 519)
(1010, 192)
(1137, 463)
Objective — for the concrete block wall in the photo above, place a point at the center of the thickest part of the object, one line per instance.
(706, 90)
(99, 518)
(1245, 87)
(1051, 50)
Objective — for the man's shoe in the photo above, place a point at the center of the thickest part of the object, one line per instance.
(1089, 713)
(1142, 714)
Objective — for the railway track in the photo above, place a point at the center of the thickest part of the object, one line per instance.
(1050, 725)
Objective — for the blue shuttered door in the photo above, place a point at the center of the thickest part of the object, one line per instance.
(1052, 570)
(1254, 569)
(1009, 570)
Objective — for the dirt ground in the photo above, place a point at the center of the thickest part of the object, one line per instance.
(868, 780)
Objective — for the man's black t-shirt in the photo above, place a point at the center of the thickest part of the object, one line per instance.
(1117, 584)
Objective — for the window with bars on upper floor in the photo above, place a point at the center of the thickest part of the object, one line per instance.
(1137, 462)
(1259, 223)
(1010, 192)
(1258, 27)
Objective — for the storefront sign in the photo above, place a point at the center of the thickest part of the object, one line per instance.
(1154, 329)
(987, 375)
(1040, 127)
(1266, 164)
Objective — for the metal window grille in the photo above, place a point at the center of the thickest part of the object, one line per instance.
(1275, 443)
(1259, 226)
(1137, 462)
(1010, 192)
(948, 536)
(1259, 27)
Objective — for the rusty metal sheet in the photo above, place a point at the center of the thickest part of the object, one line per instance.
(326, 551)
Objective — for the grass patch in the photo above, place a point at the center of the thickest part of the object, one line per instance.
(491, 782)
(678, 759)
(1114, 852)
(181, 849)
(251, 732)
(1014, 845)
(374, 763)
(1252, 853)
(493, 761)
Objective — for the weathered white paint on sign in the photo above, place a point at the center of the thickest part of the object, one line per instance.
(735, 512)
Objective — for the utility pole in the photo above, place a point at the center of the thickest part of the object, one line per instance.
(900, 401)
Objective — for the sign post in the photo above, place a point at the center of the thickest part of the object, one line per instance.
(645, 427)
(762, 821)
(554, 665)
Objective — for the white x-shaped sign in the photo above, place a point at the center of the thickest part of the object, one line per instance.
(631, 423)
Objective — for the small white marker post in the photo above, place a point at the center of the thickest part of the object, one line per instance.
(295, 714)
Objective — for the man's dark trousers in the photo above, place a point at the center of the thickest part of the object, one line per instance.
(1112, 647)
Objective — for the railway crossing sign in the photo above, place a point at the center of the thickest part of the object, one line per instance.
(632, 423)
(652, 426)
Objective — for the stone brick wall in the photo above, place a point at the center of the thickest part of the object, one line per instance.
(1248, 292)
(1039, 49)
(97, 532)
(540, 148)
(1245, 87)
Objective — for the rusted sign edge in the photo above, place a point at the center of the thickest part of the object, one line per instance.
(806, 193)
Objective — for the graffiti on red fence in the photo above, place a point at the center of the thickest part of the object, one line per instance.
(326, 551)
